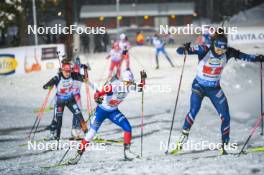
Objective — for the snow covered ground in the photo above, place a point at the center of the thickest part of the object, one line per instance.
(240, 82)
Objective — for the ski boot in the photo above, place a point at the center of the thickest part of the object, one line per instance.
(183, 139)
(51, 136)
(223, 148)
(76, 158)
(77, 134)
(128, 154)
(79, 153)
(157, 67)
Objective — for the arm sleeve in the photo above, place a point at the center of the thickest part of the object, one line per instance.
(51, 82)
(195, 50)
(240, 55)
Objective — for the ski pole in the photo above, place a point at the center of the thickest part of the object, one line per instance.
(51, 105)
(176, 103)
(253, 130)
(64, 155)
(142, 120)
(58, 57)
(261, 98)
(88, 97)
(40, 113)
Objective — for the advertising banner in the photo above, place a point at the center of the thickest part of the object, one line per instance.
(29, 59)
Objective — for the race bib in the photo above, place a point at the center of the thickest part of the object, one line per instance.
(212, 70)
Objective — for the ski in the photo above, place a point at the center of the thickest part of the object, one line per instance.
(248, 151)
(254, 149)
(177, 149)
(56, 165)
(101, 140)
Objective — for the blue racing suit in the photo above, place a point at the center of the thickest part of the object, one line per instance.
(159, 45)
(207, 84)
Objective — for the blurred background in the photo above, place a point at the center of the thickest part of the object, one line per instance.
(138, 19)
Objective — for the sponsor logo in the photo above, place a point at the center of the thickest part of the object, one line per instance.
(8, 64)
(215, 61)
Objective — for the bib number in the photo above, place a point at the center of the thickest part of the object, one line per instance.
(212, 70)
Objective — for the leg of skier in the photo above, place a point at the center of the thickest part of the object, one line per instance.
(219, 101)
(73, 107)
(157, 58)
(76, 131)
(126, 58)
(97, 120)
(119, 119)
(167, 57)
(195, 101)
(118, 67)
(111, 69)
(53, 126)
(59, 113)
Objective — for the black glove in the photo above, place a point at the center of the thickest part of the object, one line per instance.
(260, 58)
(46, 87)
(187, 46)
(124, 52)
(99, 100)
(143, 75)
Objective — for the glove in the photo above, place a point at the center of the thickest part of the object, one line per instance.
(260, 58)
(84, 66)
(124, 52)
(47, 87)
(187, 46)
(143, 75)
(97, 98)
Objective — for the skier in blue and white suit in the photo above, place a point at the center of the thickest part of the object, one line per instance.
(160, 47)
(212, 60)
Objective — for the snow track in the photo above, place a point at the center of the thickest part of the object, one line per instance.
(20, 94)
